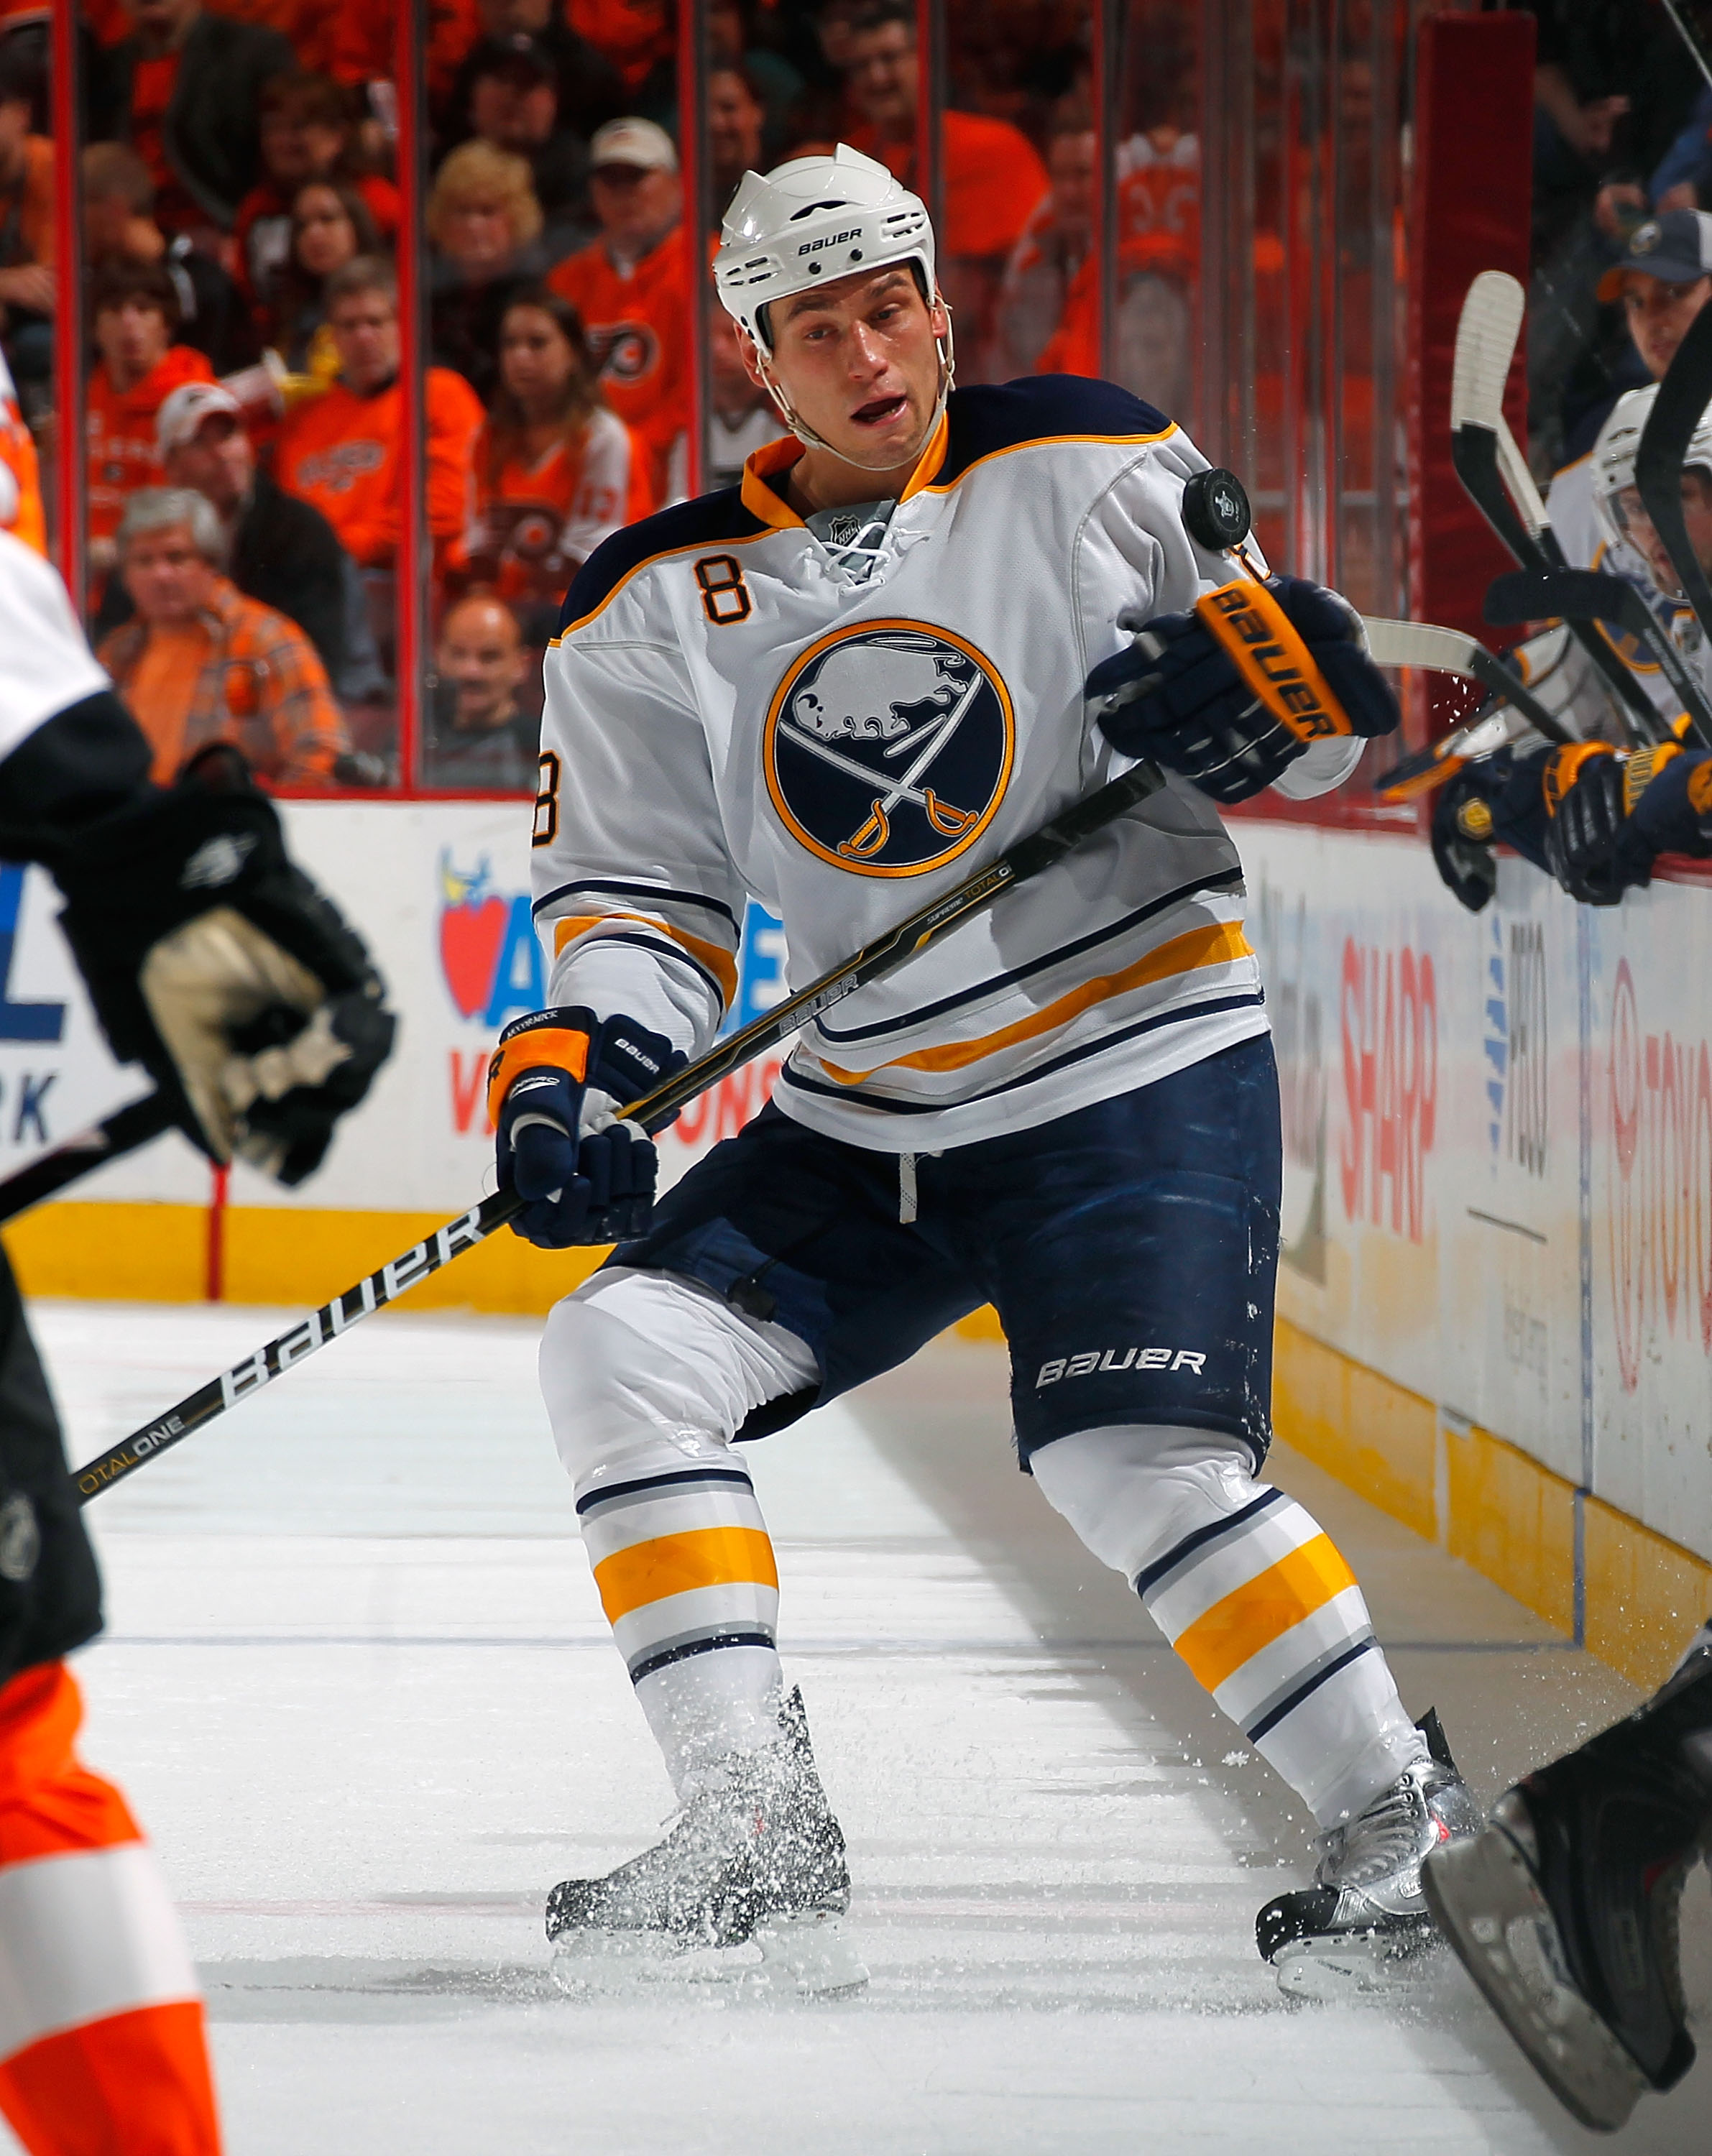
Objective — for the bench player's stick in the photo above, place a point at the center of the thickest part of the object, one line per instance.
(1495, 474)
(1449, 651)
(1024, 861)
(122, 1131)
(1584, 594)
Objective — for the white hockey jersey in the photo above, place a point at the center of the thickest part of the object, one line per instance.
(731, 710)
(1569, 506)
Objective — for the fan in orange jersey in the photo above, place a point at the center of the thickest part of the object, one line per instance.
(343, 451)
(135, 311)
(556, 472)
(631, 287)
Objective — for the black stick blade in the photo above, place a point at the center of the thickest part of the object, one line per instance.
(1678, 410)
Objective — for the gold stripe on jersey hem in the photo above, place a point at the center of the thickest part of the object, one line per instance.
(718, 963)
(1221, 944)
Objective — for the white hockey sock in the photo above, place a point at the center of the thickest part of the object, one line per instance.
(1253, 1595)
(644, 1377)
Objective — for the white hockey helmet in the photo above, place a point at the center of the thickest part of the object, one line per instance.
(1615, 451)
(806, 223)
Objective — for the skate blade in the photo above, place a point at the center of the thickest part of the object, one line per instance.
(1344, 1967)
(806, 1956)
(1502, 1929)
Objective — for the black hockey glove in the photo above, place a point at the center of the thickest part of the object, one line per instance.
(1231, 693)
(1583, 788)
(216, 964)
(1669, 794)
(1464, 841)
(556, 1082)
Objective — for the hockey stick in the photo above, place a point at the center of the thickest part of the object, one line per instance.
(1449, 651)
(1495, 474)
(1585, 595)
(1690, 35)
(1025, 860)
(121, 1132)
(1677, 410)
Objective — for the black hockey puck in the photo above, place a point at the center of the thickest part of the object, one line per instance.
(1216, 513)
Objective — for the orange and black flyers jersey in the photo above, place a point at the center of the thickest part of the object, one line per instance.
(342, 453)
(535, 524)
(735, 708)
(121, 433)
(637, 318)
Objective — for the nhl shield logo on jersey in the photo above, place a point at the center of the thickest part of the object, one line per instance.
(888, 748)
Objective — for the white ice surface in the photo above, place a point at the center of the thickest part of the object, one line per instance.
(358, 1684)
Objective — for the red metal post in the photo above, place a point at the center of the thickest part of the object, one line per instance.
(70, 448)
(698, 215)
(1108, 87)
(1470, 213)
(410, 567)
(928, 177)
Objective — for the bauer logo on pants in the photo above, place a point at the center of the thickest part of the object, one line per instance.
(888, 748)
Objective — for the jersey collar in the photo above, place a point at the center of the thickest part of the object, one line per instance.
(763, 500)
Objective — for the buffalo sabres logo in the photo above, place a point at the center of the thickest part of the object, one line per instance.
(888, 747)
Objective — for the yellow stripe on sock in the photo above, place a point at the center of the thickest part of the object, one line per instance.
(1219, 1642)
(673, 1564)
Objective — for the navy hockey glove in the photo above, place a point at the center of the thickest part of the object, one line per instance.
(1231, 693)
(1669, 791)
(555, 1084)
(1463, 841)
(1582, 785)
(216, 963)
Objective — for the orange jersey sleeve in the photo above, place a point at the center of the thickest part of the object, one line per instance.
(453, 416)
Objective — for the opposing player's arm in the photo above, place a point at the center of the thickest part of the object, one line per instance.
(1236, 683)
(210, 958)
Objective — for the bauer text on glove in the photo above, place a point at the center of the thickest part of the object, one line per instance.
(1232, 693)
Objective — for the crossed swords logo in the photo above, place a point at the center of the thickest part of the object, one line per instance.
(930, 739)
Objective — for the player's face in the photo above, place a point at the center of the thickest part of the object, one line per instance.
(365, 327)
(860, 363)
(1658, 316)
(167, 579)
(216, 461)
(536, 360)
(481, 659)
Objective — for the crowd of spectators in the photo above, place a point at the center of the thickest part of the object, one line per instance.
(244, 418)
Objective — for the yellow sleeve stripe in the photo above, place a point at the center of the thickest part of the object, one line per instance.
(717, 960)
(1221, 944)
(675, 1565)
(1233, 1631)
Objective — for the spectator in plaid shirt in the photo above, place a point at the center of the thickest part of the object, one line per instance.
(201, 663)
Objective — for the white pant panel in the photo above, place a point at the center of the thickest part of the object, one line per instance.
(637, 1355)
(1131, 1489)
(1295, 1666)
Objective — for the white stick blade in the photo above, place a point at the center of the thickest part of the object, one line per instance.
(1486, 343)
(1419, 644)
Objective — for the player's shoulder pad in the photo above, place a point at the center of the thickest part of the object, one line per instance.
(703, 522)
(989, 418)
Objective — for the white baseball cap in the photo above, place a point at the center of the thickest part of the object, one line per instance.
(637, 142)
(184, 412)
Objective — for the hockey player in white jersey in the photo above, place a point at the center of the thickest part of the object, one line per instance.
(925, 623)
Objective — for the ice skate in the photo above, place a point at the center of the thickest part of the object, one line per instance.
(1366, 1909)
(1564, 1910)
(750, 1884)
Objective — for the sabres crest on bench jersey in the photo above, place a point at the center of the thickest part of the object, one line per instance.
(734, 708)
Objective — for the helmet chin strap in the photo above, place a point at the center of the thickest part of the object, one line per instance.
(946, 349)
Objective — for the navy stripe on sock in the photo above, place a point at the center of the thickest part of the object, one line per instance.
(667, 1655)
(650, 1483)
(1267, 1722)
(1154, 1573)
